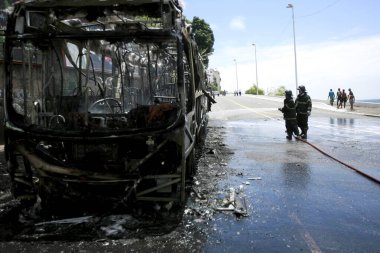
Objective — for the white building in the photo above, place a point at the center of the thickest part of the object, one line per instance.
(213, 76)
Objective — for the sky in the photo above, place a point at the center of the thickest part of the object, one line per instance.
(337, 44)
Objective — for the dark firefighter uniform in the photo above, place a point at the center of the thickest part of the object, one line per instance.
(289, 111)
(303, 109)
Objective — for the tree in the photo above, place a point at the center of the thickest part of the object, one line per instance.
(6, 3)
(280, 91)
(204, 37)
(253, 90)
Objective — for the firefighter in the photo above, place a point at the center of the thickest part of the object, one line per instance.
(303, 109)
(289, 111)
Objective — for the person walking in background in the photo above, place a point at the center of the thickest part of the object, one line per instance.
(338, 98)
(303, 109)
(351, 99)
(290, 116)
(343, 99)
(331, 97)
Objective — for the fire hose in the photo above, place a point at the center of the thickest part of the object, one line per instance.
(339, 161)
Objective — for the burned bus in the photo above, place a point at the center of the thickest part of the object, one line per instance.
(104, 101)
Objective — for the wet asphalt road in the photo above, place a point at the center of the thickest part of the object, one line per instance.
(305, 201)
(301, 200)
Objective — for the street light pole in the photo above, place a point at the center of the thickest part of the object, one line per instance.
(237, 82)
(294, 41)
(257, 78)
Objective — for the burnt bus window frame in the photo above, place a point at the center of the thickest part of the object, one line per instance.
(66, 65)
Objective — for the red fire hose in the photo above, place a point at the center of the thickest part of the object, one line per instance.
(339, 161)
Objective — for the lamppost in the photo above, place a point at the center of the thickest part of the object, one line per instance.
(294, 41)
(237, 82)
(257, 78)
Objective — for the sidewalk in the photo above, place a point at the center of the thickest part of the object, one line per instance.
(360, 108)
(370, 110)
(374, 112)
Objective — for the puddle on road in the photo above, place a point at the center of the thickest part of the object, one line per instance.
(342, 122)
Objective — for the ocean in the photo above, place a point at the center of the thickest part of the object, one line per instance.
(370, 101)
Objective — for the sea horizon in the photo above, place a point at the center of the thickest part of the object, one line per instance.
(370, 100)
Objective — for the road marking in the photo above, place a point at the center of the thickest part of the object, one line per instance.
(305, 234)
(251, 109)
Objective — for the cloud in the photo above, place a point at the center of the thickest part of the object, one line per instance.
(321, 67)
(182, 3)
(214, 27)
(238, 23)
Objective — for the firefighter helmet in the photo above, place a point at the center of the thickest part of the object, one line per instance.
(288, 93)
(301, 88)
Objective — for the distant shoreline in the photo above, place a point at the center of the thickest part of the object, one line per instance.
(370, 101)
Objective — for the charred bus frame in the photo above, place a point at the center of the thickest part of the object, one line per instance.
(104, 100)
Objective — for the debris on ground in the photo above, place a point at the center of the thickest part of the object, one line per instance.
(254, 178)
(206, 198)
(150, 230)
(235, 201)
